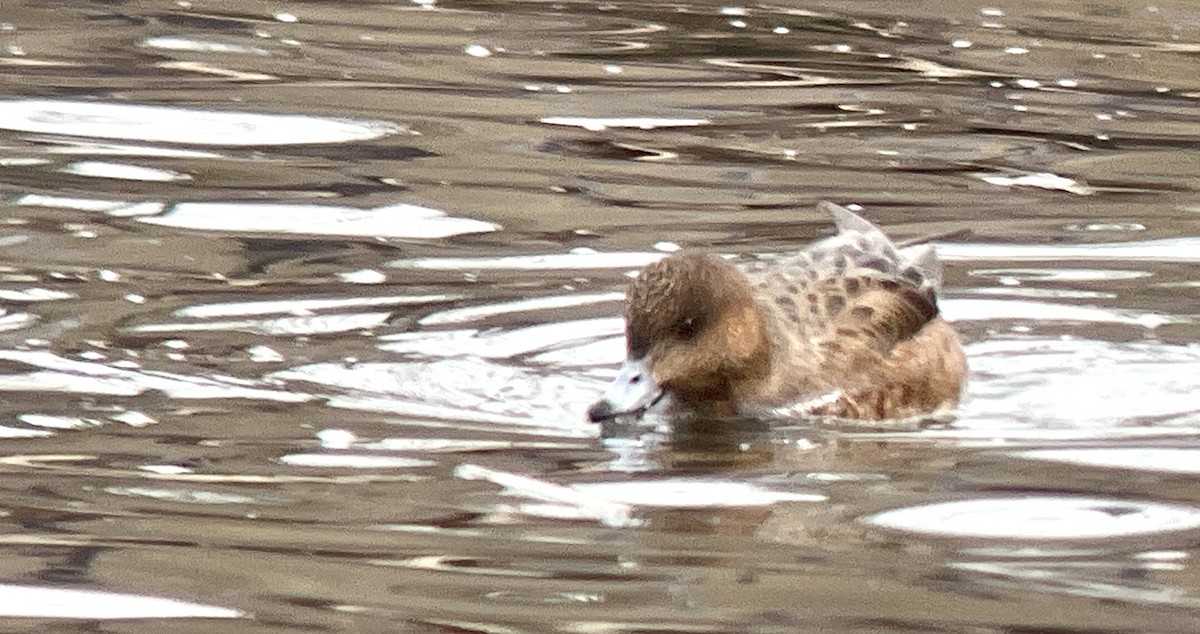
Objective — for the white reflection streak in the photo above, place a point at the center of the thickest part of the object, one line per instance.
(505, 344)
(58, 422)
(993, 309)
(463, 315)
(687, 493)
(608, 513)
(64, 375)
(206, 69)
(1060, 579)
(63, 146)
(34, 295)
(1185, 249)
(184, 496)
(119, 171)
(490, 421)
(63, 603)
(1165, 460)
(168, 124)
(740, 64)
(179, 43)
(15, 321)
(1041, 180)
(389, 221)
(641, 29)
(598, 124)
(1040, 517)
(552, 261)
(621, 46)
(1060, 275)
(352, 461)
(652, 154)
(1019, 291)
(295, 306)
(1010, 437)
(119, 208)
(25, 61)
(306, 325)
(9, 432)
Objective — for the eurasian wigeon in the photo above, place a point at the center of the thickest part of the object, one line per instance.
(848, 327)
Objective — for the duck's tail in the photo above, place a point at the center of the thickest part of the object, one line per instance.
(914, 260)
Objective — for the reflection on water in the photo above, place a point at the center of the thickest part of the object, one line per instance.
(302, 307)
(1040, 518)
(155, 124)
(35, 602)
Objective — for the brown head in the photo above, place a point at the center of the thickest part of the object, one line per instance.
(693, 331)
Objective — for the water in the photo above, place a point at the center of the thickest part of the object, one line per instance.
(304, 302)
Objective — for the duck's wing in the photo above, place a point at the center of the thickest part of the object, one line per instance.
(879, 314)
(853, 290)
(856, 321)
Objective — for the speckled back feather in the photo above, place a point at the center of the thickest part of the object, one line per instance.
(847, 327)
(821, 282)
(846, 302)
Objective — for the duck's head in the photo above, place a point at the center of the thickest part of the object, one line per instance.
(693, 332)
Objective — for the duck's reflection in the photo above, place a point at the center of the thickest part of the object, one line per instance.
(726, 471)
(688, 444)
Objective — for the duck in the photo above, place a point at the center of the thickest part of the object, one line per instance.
(847, 328)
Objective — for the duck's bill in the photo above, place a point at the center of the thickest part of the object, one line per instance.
(632, 393)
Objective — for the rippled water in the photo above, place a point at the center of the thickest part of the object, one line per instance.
(303, 303)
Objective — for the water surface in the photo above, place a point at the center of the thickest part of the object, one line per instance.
(303, 304)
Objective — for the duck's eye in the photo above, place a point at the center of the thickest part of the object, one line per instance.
(687, 328)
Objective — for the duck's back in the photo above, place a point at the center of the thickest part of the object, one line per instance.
(856, 331)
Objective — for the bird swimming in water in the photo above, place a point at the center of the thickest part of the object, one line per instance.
(848, 327)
